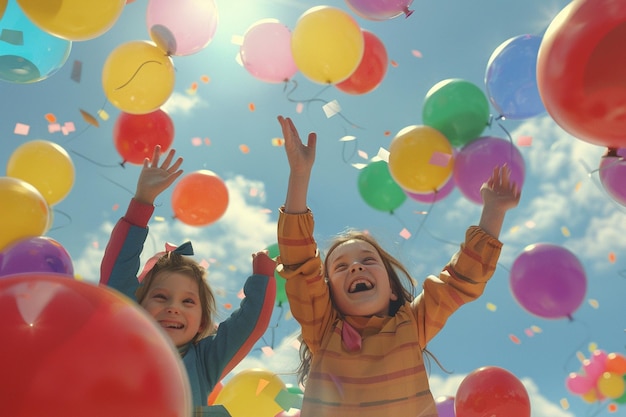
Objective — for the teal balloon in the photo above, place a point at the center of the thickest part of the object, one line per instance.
(27, 53)
(281, 294)
(379, 190)
(458, 109)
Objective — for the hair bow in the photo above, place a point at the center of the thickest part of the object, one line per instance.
(184, 249)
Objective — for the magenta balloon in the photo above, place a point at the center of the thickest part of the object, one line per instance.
(266, 52)
(36, 254)
(445, 406)
(430, 198)
(380, 9)
(182, 27)
(548, 281)
(475, 162)
(579, 384)
(612, 173)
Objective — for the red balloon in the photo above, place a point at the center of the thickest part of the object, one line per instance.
(580, 71)
(491, 391)
(200, 198)
(371, 70)
(136, 135)
(71, 348)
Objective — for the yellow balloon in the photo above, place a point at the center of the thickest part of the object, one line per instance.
(46, 166)
(74, 20)
(23, 212)
(138, 77)
(327, 44)
(420, 159)
(252, 393)
(611, 385)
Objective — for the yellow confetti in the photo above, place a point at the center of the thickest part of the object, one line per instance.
(159, 218)
(578, 186)
(564, 404)
(103, 114)
(244, 148)
(491, 307)
(536, 329)
(515, 229)
(593, 346)
(232, 267)
(565, 231)
(278, 141)
(612, 257)
(594, 303)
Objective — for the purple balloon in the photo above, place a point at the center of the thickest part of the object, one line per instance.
(475, 162)
(430, 198)
(612, 173)
(380, 9)
(548, 281)
(445, 406)
(36, 254)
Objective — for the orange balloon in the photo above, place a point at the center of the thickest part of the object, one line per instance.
(200, 198)
(420, 159)
(615, 363)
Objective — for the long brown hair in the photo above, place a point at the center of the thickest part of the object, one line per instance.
(402, 284)
(175, 262)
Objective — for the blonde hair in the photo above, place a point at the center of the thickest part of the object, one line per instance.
(402, 284)
(175, 262)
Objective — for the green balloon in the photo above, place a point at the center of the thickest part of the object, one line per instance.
(622, 399)
(458, 109)
(379, 189)
(281, 294)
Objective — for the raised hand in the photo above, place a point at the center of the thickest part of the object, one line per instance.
(155, 178)
(499, 190)
(301, 157)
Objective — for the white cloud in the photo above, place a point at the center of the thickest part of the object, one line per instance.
(182, 103)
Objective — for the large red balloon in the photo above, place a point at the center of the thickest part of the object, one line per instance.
(136, 135)
(200, 198)
(580, 71)
(71, 348)
(491, 391)
(371, 70)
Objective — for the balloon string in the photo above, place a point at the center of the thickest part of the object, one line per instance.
(316, 99)
(118, 184)
(97, 163)
(274, 327)
(506, 132)
(136, 72)
(67, 216)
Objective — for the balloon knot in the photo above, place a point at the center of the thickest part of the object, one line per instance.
(407, 13)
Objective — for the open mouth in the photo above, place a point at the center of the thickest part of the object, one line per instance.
(360, 285)
(170, 325)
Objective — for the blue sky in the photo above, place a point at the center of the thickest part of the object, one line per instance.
(562, 202)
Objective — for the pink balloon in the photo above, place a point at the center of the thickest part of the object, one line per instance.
(595, 365)
(548, 281)
(182, 27)
(445, 406)
(612, 173)
(430, 198)
(380, 9)
(266, 52)
(475, 162)
(579, 384)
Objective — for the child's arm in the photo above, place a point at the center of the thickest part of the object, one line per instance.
(301, 158)
(499, 195)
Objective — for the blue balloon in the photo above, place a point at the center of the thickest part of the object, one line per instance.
(27, 53)
(511, 78)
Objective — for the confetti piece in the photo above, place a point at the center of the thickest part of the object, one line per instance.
(95, 244)
(159, 218)
(612, 257)
(196, 141)
(103, 114)
(514, 339)
(536, 329)
(564, 404)
(580, 356)
(50, 118)
(387, 133)
(21, 129)
(405, 234)
(347, 138)
(578, 186)
(524, 141)
(612, 408)
(115, 207)
(278, 141)
(416, 53)
(491, 307)
(232, 268)
(89, 118)
(194, 86)
(593, 346)
(261, 385)
(331, 108)
(254, 192)
(359, 166)
(530, 224)
(236, 40)
(207, 141)
(267, 351)
(362, 154)
(204, 264)
(565, 231)
(240, 294)
(205, 79)
(440, 159)
(77, 70)
(529, 332)
(54, 127)
(244, 148)
(514, 229)
(295, 344)
(393, 63)
(228, 306)
(251, 107)
(594, 303)
(299, 107)
(67, 128)
(13, 37)
(383, 154)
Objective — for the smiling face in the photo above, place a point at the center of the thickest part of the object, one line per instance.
(173, 300)
(358, 280)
